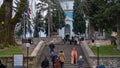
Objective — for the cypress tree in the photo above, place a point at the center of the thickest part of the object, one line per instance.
(79, 24)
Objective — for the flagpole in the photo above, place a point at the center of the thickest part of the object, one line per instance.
(27, 39)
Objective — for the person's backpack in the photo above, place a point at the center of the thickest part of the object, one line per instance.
(62, 58)
(81, 61)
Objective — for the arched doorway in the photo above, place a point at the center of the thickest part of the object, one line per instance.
(67, 31)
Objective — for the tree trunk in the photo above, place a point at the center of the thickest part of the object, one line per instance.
(49, 23)
(9, 32)
(118, 38)
(90, 30)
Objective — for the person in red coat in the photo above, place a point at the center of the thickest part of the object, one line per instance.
(57, 63)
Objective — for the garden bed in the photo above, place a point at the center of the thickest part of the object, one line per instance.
(10, 51)
(106, 50)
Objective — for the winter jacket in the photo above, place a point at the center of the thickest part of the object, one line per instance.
(52, 46)
(45, 63)
(62, 57)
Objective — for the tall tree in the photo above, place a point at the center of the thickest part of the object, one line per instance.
(38, 21)
(79, 24)
(107, 16)
(56, 17)
(2, 21)
(8, 26)
(9, 23)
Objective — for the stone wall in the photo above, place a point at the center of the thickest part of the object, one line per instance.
(47, 40)
(8, 61)
(35, 41)
(108, 61)
(35, 55)
(102, 42)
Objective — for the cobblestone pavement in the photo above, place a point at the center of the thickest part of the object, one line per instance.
(67, 50)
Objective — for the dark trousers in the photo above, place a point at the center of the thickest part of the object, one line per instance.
(74, 60)
(51, 50)
(53, 64)
(62, 64)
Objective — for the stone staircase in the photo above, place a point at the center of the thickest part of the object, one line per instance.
(67, 50)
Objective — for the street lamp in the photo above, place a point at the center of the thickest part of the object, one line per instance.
(27, 45)
(97, 45)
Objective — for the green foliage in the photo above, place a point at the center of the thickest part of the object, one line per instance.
(4, 45)
(19, 16)
(10, 51)
(106, 15)
(58, 16)
(2, 12)
(36, 31)
(38, 24)
(20, 32)
(107, 50)
(103, 14)
(79, 24)
(21, 8)
(29, 27)
(21, 27)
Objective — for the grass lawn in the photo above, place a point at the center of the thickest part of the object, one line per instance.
(11, 51)
(109, 50)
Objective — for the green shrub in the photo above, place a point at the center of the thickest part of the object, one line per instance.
(1, 46)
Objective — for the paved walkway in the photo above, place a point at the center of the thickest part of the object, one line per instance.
(67, 50)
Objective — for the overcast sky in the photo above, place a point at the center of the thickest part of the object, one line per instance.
(1, 1)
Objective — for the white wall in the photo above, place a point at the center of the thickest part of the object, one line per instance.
(62, 31)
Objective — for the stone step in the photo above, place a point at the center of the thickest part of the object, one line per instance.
(72, 66)
(67, 50)
(66, 66)
(85, 65)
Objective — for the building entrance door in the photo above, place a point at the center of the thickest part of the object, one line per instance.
(67, 31)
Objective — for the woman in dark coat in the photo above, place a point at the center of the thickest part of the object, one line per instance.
(45, 63)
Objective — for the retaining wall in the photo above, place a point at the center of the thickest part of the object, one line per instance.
(108, 61)
(33, 59)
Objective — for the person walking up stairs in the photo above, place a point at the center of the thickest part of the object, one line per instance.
(74, 56)
(62, 58)
(67, 49)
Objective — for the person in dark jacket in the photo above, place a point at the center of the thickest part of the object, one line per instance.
(1, 65)
(101, 66)
(80, 62)
(64, 40)
(45, 63)
(51, 46)
(53, 57)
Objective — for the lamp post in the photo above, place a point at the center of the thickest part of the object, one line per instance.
(27, 45)
(97, 45)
